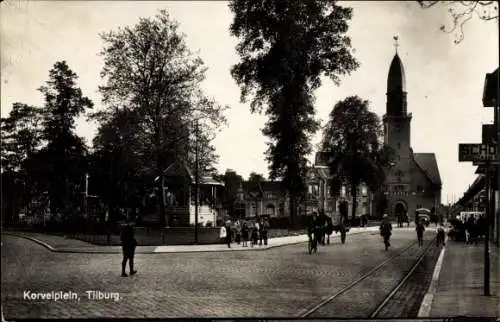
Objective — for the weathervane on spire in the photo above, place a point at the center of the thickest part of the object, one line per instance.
(396, 43)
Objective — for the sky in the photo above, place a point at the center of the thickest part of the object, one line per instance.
(444, 80)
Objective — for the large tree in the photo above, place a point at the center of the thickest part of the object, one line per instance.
(256, 177)
(352, 139)
(21, 134)
(64, 156)
(149, 69)
(120, 168)
(232, 182)
(462, 11)
(285, 47)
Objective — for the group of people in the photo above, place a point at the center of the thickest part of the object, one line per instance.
(474, 229)
(243, 231)
(320, 228)
(469, 229)
(440, 235)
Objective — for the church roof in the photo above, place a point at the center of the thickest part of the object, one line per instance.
(427, 162)
(396, 80)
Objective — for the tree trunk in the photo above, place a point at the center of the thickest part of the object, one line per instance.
(293, 209)
(161, 200)
(354, 194)
(159, 186)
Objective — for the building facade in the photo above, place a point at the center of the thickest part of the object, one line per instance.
(413, 181)
(331, 203)
(262, 198)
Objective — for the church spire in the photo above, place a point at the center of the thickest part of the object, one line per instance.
(396, 85)
(396, 80)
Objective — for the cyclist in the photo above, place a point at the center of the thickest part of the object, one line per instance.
(312, 233)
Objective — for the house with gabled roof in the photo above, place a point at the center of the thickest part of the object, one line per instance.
(180, 193)
(263, 198)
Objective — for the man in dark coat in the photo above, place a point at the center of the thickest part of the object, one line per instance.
(129, 243)
(228, 234)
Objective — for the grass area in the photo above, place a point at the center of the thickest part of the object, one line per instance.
(156, 237)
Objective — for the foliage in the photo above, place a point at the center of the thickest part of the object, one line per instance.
(149, 69)
(463, 11)
(352, 138)
(232, 182)
(119, 172)
(41, 154)
(201, 142)
(256, 177)
(64, 156)
(21, 135)
(285, 47)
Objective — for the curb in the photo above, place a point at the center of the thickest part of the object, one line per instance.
(52, 249)
(242, 249)
(155, 250)
(426, 305)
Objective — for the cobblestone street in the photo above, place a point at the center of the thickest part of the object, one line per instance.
(277, 282)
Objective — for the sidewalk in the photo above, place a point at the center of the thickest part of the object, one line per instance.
(458, 290)
(66, 245)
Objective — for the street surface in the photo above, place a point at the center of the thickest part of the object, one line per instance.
(279, 282)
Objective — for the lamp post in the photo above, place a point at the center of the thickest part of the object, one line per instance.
(196, 185)
(86, 195)
(490, 99)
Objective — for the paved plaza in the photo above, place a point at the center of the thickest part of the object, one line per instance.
(281, 281)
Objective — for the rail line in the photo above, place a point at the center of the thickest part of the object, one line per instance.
(356, 282)
(379, 308)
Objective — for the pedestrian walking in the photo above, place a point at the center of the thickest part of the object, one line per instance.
(129, 244)
(469, 227)
(420, 233)
(222, 234)
(386, 231)
(440, 238)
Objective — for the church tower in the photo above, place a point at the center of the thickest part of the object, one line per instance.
(397, 128)
(413, 181)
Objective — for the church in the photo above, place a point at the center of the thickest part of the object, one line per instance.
(413, 181)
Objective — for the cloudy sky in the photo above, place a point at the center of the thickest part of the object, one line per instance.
(444, 80)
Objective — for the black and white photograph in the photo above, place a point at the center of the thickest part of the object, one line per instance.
(250, 159)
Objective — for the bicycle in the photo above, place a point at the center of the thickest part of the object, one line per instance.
(313, 243)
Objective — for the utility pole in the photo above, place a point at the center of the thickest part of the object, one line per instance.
(196, 186)
(486, 280)
(85, 204)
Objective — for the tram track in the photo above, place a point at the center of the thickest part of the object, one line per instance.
(414, 282)
(309, 312)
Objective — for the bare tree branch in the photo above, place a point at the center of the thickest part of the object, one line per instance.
(462, 11)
